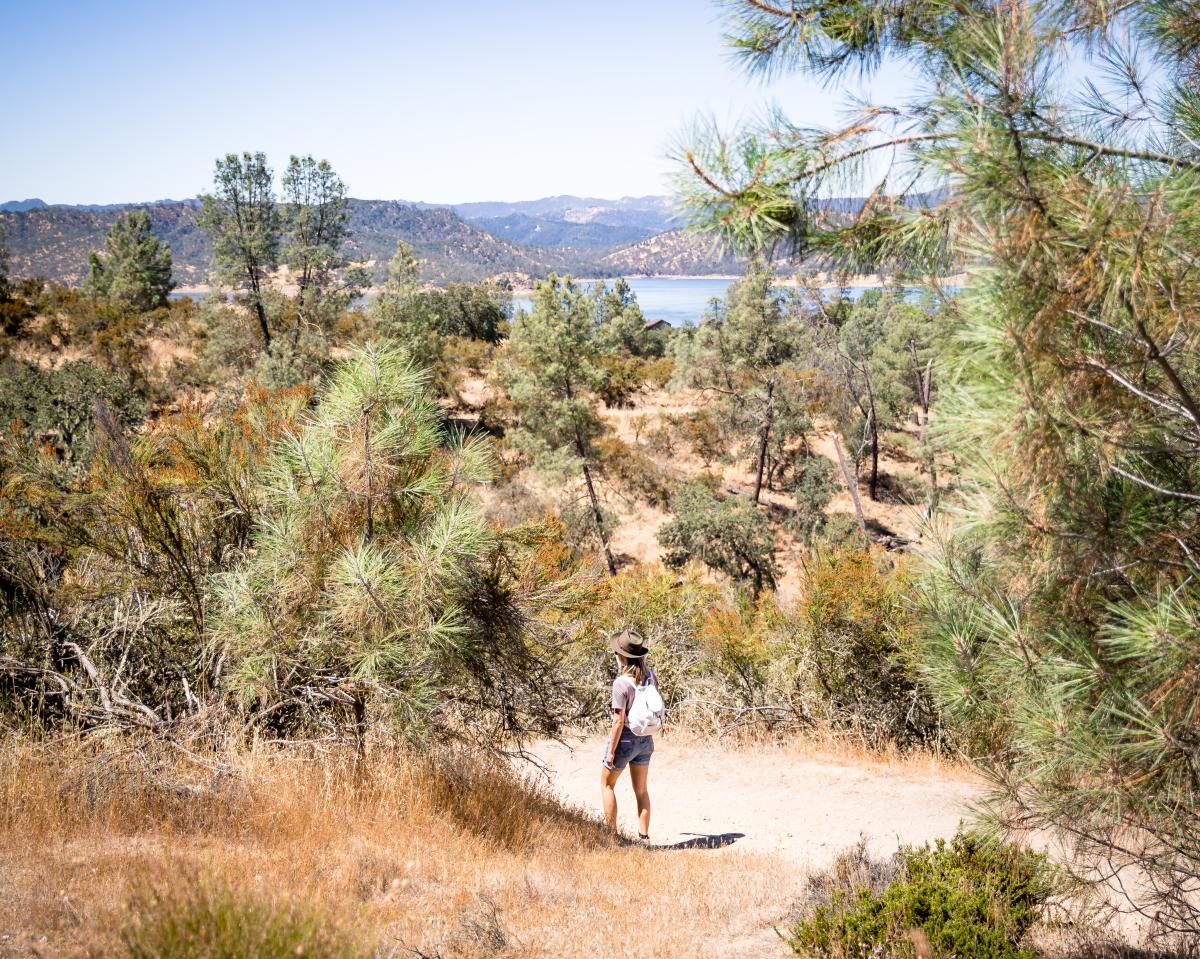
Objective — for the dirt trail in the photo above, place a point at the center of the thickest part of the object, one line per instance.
(773, 800)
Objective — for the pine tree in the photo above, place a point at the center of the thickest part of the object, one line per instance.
(745, 355)
(396, 312)
(367, 560)
(314, 215)
(134, 272)
(242, 218)
(1063, 635)
(552, 372)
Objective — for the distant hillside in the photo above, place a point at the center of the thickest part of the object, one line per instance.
(584, 236)
(449, 249)
(674, 253)
(540, 231)
(53, 242)
(17, 206)
(576, 222)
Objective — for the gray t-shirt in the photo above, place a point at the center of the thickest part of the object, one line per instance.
(624, 689)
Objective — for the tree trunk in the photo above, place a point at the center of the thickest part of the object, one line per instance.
(301, 289)
(873, 427)
(874, 485)
(764, 435)
(261, 312)
(924, 384)
(852, 486)
(370, 531)
(599, 519)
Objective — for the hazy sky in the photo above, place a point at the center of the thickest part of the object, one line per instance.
(440, 101)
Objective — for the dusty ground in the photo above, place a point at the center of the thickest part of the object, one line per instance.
(774, 800)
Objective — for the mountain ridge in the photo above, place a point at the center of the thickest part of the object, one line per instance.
(53, 240)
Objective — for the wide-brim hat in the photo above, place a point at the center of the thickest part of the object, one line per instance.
(629, 643)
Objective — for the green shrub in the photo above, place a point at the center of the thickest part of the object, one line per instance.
(703, 434)
(815, 485)
(209, 921)
(728, 534)
(968, 897)
(658, 372)
(61, 403)
(622, 377)
(852, 655)
(637, 474)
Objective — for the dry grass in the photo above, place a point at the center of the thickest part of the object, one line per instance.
(450, 856)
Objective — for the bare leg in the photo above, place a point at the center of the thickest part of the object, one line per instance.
(639, 775)
(608, 795)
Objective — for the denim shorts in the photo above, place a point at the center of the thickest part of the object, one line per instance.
(632, 750)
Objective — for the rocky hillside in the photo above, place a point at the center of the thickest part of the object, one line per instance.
(53, 242)
(581, 236)
(674, 253)
(576, 222)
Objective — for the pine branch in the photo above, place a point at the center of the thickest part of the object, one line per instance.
(1105, 149)
(1150, 486)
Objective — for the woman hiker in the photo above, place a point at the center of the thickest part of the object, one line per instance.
(637, 713)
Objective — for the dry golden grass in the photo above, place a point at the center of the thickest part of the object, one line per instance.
(450, 857)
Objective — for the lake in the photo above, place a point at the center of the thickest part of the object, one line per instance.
(680, 300)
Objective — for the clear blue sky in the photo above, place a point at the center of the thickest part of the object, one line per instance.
(440, 101)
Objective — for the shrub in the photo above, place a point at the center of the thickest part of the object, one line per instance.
(230, 355)
(473, 311)
(661, 437)
(690, 625)
(636, 473)
(658, 372)
(467, 353)
(205, 920)
(815, 486)
(968, 897)
(732, 661)
(738, 641)
(854, 648)
(579, 525)
(727, 534)
(703, 434)
(117, 561)
(623, 376)
(62, 402)
(840, 530)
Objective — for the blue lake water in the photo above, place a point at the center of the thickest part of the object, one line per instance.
(679, 301)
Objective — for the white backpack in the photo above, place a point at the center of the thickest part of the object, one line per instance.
(648, 711)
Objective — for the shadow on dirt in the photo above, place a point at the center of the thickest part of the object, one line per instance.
(706, 841)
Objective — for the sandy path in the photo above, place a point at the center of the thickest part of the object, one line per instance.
(773, 800)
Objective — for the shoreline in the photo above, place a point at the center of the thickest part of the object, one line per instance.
(821, 281)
